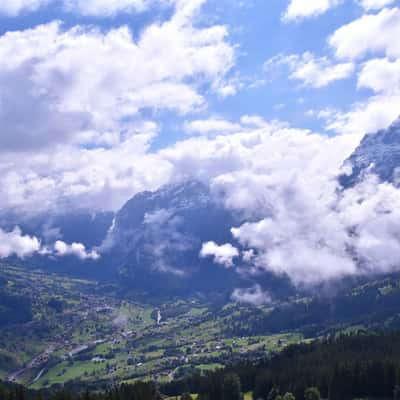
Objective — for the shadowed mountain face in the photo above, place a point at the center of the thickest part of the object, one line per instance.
(378, 153)
(153, 243)
(157, 237)
(83, 227)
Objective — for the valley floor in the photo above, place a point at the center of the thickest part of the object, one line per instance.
(78, 334)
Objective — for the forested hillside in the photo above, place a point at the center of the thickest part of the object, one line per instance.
(357, 366)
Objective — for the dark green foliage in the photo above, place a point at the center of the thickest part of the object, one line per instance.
(231, 388)
(312, 394)
(14, 309)
(347, 367)
(344, 368)
(288, 396)
(273, 393)
(56, 305)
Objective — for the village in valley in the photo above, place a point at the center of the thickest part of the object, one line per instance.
(74, 334)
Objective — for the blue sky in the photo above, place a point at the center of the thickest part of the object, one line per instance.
(258, 33)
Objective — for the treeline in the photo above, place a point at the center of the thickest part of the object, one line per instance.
(14, 309)
(138, 391)
(343, 368)
(347, 367)
(369, 307)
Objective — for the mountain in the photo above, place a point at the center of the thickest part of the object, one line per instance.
(157, 236)
(378, 153)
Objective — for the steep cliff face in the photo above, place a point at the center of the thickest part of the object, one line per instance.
(378, 153)
(156, 239)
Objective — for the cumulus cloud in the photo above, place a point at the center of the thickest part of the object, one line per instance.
(369, 34)
(109, 7)
(77, 138)
(314, 241)
(381, 75)
(96, 8)
(68, 76)
(300, 9)
(14, 243)
(285, 186)
(15, 7)
(254, 295)
(223, 255)
(223, 126)
(78, 250)
(375, 4)
(207, 126)
(377, 112)
(310, 70)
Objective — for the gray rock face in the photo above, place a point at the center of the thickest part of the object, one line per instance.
(378, 153)
(157, 236)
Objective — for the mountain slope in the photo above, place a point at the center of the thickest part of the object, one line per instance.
(378, 153)
(157, 237)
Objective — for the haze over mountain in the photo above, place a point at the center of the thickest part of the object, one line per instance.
(188, 236)
(378, 154)
(152, 150)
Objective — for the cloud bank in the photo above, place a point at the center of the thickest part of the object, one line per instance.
(254, 295)
(14, 243)
(222, 255)
(78, 250)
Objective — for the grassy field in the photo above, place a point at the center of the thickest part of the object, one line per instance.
(95, 337)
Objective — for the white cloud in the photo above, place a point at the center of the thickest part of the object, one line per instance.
(223, 255)
(108, 7)
(300, 9)
(318, 240)
(381, 75)
(215, 125)
(83, 80)
(15, 243)
(375, 4)
(77, 138)
(254, 295)
(310, 70)
(284, 182)
(247, 123)
(78, 250)
(377, 112)
(97, 179)
(97, 8)
(15, 7)
(370, 34)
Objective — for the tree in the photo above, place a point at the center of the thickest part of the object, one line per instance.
(231, 389)
(273, 394)
(186, 396)
(262, 385)
(289, 396)
(312, 394)
(396, 392)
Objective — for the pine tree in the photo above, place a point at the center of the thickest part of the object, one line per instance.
(289, 396)
(312, 394)
(231, 388)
